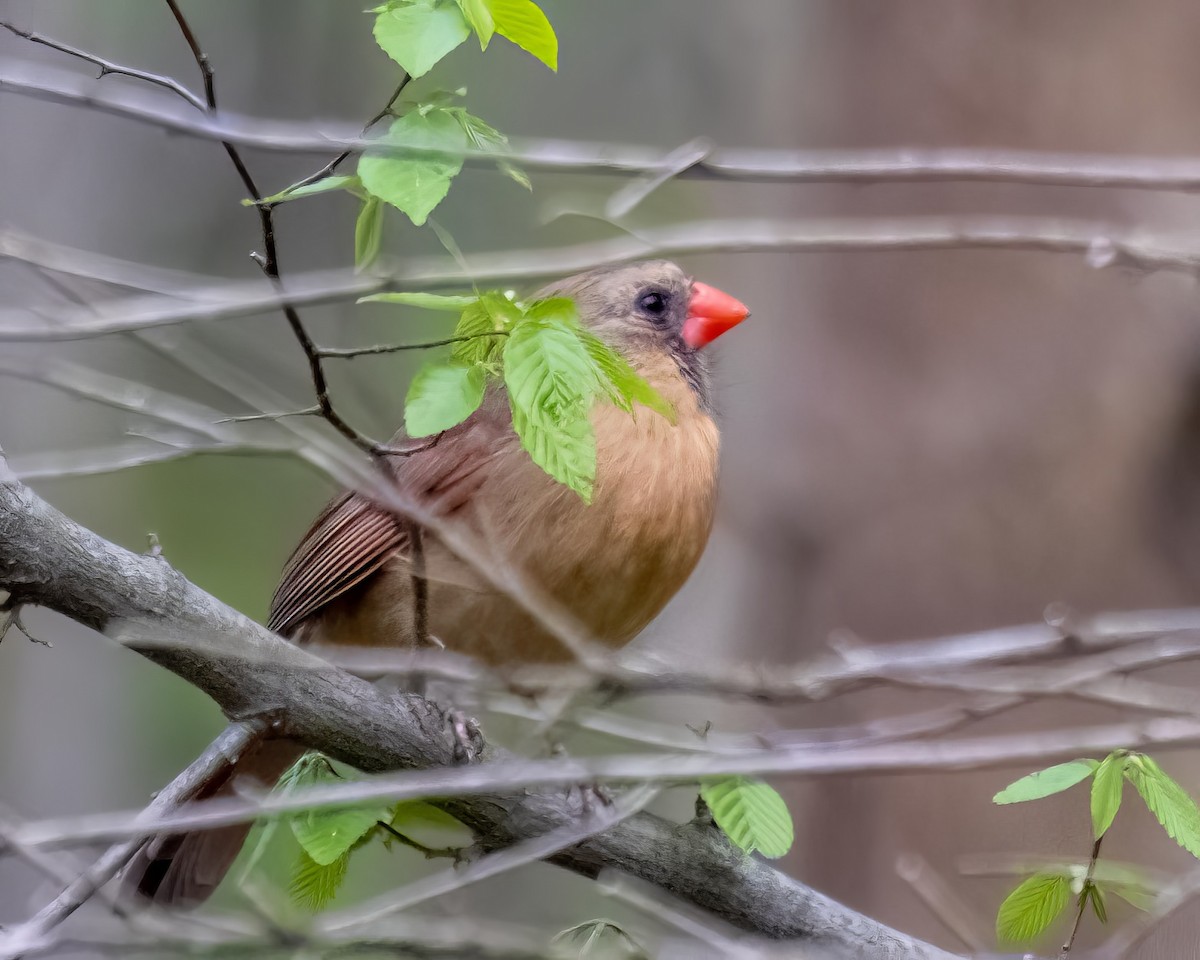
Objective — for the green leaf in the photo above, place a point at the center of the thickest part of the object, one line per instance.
(1140, 898)
(314, 884)
(1094, 895)
(523, 22)
(1045, 783)
(417, 184)
(551, 382)
(1032, 907)
(296, 191)
(483, 136)
(492, 312)
(430, 825)
(565, 449)
(327, 835)
(596, 940)
(751, 814)
(1167, 800)
(480, 18)
(418, 33)
(368, 233)
(442, 395)
(626, 386)
(426, 301)
(1106, 792)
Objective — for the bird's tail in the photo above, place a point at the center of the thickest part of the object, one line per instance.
(183, 869)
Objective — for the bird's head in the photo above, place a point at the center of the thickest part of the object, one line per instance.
(653, 307)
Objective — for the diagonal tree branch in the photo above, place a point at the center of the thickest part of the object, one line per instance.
(226, 747)
(47, 559)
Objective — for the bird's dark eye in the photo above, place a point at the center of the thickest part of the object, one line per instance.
(653, 303)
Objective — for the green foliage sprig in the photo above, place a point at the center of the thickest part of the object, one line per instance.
(751, 813)
(1029, 910)
(328, 837)
(553, 369)
(418, 34)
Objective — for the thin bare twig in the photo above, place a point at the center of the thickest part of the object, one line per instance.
(1096, 244)
(350, 352)
(337, 161)
(903, 164)
(108, 67)
(228, 746)
(1083, 895)
(269, 262)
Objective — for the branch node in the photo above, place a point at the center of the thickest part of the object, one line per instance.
(153, 546)
(11, 618)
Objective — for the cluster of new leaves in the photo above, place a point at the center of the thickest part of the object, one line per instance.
(749, 812)
(423, 148)
(328, 837)
(1040, 899)
(553, 370)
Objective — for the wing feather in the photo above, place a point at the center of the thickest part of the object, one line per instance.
(350, 540)
(353, 537)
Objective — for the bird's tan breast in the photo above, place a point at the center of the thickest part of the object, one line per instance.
(611, 565)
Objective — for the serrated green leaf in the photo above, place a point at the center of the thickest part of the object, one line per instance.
(1171, 805)
(1045, 783)
(491, 313)
(751, 813)
(309, 768)
(523, 22)
(1140, 898)
(1029, 910)
(483, 136)
(480, 18)
(417, 184)
(426, 301)
(1106, 792)
(564, 449)
(296, 191)
(418, 33)
(312, 767)
(515, 173)
(551, 383)
(368, 233)
(314, 885)
(596, 940)
(1094, 895)
(441, 396)
(430, 825)
(327, 835)
(627, 385)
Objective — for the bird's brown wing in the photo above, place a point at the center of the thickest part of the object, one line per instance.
(354, 537)
(350, 540)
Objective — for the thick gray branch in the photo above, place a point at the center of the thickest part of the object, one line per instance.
(47, 559)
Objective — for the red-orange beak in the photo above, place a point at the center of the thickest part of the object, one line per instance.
(710, 314)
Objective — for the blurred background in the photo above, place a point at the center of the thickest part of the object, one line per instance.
(914, 443)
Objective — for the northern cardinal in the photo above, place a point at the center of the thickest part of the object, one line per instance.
(612, 564)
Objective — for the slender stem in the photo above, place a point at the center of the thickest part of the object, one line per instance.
(337, 161)
(350, 352)
(269, 262)
(420, 586)
(1083, 899)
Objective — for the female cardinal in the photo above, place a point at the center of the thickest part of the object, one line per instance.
(612, 564)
